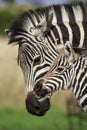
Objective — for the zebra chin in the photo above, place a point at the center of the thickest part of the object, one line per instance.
(35, 107)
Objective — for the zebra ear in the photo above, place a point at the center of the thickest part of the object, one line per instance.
(44, 26)
(69, 52)
(8, 32)
(12, 38)
(47, 22)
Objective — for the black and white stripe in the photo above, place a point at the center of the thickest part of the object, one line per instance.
(68, 24)
(39, 33)
(69, 72)
(71, 23)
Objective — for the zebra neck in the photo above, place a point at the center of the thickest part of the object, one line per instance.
(79, 84)
(70, 23)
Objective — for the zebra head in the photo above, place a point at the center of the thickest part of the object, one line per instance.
(69, 72)
(30, 31)
(62, 73)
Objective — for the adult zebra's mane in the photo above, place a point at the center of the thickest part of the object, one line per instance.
(32, 18)
(26, 20)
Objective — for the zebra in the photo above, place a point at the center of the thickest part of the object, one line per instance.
(38, 33)
(69, 72)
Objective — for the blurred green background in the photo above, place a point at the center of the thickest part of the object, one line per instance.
(64, 113)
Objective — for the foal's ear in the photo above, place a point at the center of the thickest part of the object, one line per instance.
(69, 52)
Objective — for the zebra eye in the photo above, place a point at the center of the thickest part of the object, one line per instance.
(37, 60)
(32, 29)
(60, 69)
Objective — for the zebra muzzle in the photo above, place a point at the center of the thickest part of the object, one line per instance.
(35, 106)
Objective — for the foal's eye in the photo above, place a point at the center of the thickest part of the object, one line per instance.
(37, 60)
(60, 69)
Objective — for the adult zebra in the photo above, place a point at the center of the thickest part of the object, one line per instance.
(38, 34)
(69, 72)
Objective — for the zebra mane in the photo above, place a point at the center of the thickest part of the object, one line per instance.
(34, 17)
(28, 19)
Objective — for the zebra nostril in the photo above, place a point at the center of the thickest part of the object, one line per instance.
(38, 85)
(37, 108)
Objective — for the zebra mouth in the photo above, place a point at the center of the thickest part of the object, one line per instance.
(35, 107)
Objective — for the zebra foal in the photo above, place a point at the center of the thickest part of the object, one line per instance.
(38, 34)
(69, 72)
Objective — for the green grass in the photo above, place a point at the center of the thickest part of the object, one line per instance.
(19, 119)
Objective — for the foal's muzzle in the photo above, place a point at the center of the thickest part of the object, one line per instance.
(35, 106)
